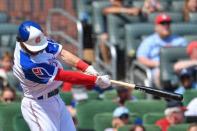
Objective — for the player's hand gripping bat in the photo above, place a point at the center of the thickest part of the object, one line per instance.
(153, 91)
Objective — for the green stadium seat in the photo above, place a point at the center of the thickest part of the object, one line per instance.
(177, 5)
(98, 17)
(104, 120)
(151, 118)
(140, 3)
(7, 112)
(175, 16)
(134, 34)
(190, 38)
(168, 57)
(88, 109)
(67, 97)
(188, 96)
(147, 127)
(110, 95)
(152, 128)
(116, 29)
(139, 94)
(193, 17)
(19, 96)
(19, 123)
(12, 80)
(184, 29)
(146, 106)
(3, 17)
(180, 127)
(8, 34)
(92, 95)
(84, 9)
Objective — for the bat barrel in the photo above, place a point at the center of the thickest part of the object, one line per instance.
(160, 93)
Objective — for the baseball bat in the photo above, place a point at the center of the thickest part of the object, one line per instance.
(153, 91)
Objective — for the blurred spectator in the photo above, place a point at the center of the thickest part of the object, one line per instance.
(6, 66)
(190, 6)
(151, 6)
(6, 72)
(148, 52)
(124, 95)
(192, 127)
(137, 128)
(117, 7)
(8, 95)
(192, 108)
(174, 114)
(6, 62)
(187, 69)
(120, 118)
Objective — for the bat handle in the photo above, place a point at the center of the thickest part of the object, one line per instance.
(160, 93)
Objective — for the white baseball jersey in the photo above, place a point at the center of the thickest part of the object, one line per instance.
(37, 73)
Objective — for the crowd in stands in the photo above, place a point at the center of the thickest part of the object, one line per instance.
(147, 54)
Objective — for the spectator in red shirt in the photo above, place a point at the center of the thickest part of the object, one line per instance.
(174, 114)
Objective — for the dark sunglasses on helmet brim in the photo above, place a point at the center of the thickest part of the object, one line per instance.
(165, 23)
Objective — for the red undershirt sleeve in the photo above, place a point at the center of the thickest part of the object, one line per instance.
(74, 77)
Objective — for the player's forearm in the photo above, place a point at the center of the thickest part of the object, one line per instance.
(184, 64)
(73, 60)
(147, 62)
(75, 77)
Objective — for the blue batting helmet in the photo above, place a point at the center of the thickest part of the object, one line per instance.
(31, 34)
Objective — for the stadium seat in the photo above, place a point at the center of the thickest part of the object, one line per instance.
(151, 118)
(175, 16)
(140, 3)
(168, 57)
(8, 34)
(104, 120)
(92, 95)
(3, 17)
(116, 30)
(188, 96)
(190, 38)
(12, 80)
(193, 18)
(66, 97)
(19, 96)
(84, 10)
(139, 94)
(87, 110)
(146, 106)
(177, 5)
(98, 17)
(184, 29)
(179, 127)
(135, 33)
(147, 127)
(110, 95)
(19, 123)
(7, 112)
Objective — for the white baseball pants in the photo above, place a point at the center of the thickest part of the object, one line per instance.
(47, 115)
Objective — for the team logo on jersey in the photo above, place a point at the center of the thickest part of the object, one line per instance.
(41, 73)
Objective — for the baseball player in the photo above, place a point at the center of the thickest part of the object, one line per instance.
(40, 73)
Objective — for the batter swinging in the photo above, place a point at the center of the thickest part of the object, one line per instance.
(40, 73)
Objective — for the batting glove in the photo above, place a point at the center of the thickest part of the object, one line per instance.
(103, 81)
(91, 71)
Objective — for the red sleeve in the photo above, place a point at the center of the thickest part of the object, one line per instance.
(75, 77)
(81, 65)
